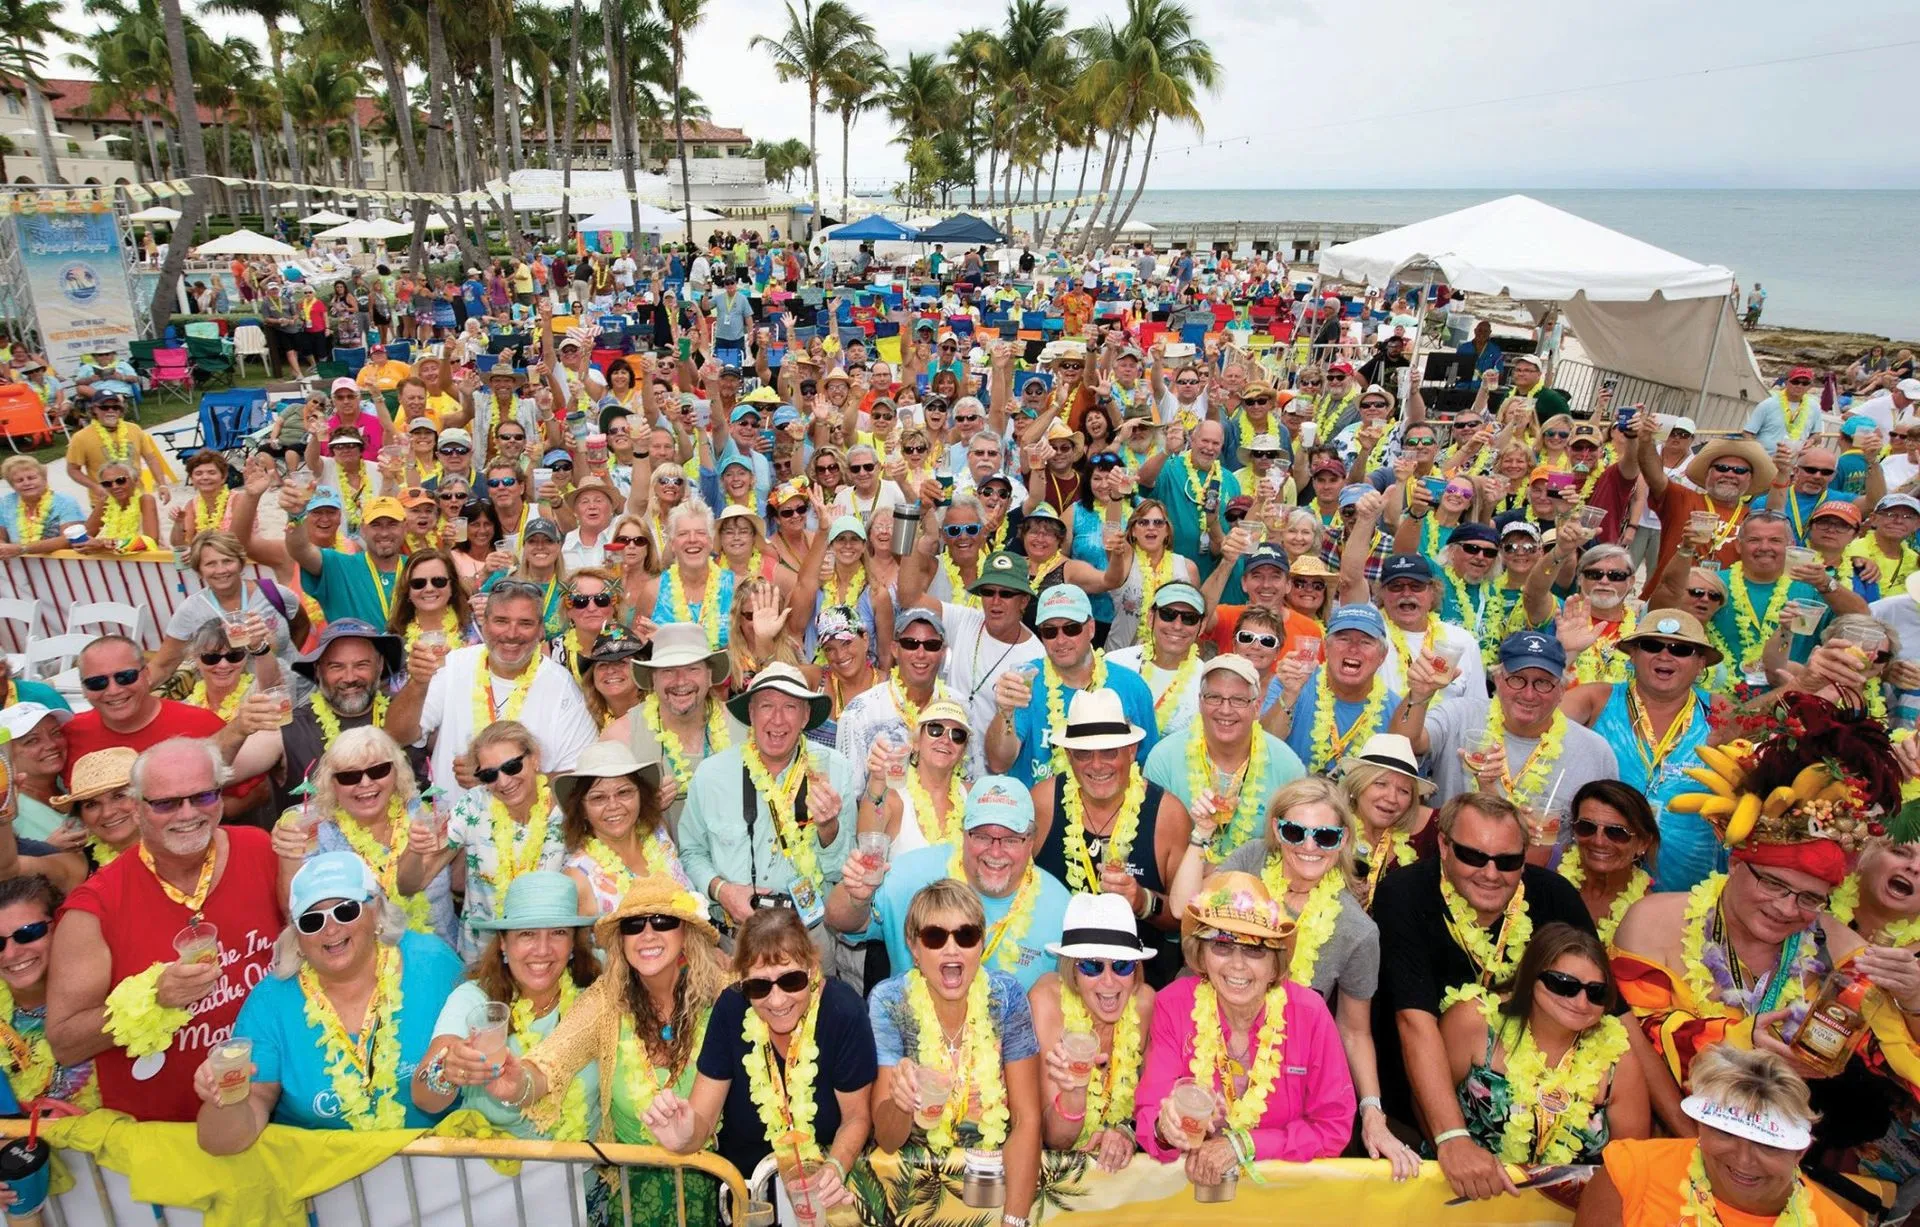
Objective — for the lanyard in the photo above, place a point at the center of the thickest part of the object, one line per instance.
(380, 590)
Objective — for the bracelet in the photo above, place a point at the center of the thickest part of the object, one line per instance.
(1441, 1139)
(1197, 841)
(434, 1074)
(1370, 1101)
(525, 1096)
(837, 1166)
(260, 651)
(1065, 1115)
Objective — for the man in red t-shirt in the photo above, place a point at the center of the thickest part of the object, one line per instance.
(1265, 579)
(123, 921)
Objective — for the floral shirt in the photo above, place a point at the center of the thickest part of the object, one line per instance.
(471, 829)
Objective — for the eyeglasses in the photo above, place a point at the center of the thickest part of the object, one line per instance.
(119, 677)
(1053, 630)
(1706, 594)
(1609, 575)
(1182, 616)
(921, 645)
(1586, 828)
(1093, 969)
(513, 766)
(956, 733)
(952, 531)
(1679, 651)
(625, 540)
(634, 926)
(991, 843)
(1775, 889)
(599, 600)
(376, 772)
(756, 988)
(496, 483)
(455, 449)
(344, 912)
(232, 656)
(1539, 685)
(862, 468)
(421, 583)
(1150, 522)
(1479, 551)
(1560, 984)
(1253, 639)
(1326, 838)
(26, 935)
(1732, 470)
(935, 937)
(199, 800)
(1474, 858)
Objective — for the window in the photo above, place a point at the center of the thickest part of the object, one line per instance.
(13, 104)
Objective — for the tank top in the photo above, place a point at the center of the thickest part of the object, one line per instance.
(1689, 849)
(137, 925)
(1141, 863)
(1089, 545)
(663, 613)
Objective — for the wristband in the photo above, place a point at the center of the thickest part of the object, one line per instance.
(1441, 1139)
(434, 1074)
(260, 651)
(1065, 1115)
(1370, 1101)
(837, 1166)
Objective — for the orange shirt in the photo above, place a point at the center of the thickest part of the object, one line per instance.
(1649, 1175)
(1227, 621)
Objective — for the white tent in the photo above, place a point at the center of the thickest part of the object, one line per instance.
(155, 213)
(1636, 309)
(653, 219)
(246, 243)
(325, 217)
(1134, 226)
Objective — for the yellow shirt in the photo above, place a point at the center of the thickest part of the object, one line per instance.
(384, 377)
(88, 450)
(441, 406)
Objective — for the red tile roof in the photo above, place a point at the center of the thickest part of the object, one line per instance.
(698, 131)
(70, 96)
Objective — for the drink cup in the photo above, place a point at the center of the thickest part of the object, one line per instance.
(797, 1175)
(1082, 1049)
(596, 449)
(1591, 518)
(872, 849)
(233, 1070)
(487, 1029)
(1543, 826)
(1193, 1109)
(283, 698)
(1870, 641)
(1703, 524)
(460, 530)
(541, 477)
(896, 743)
(437, 640)
(1435, 487)
(25, 1168)
(235, 621)
(1309, 433)
(198, 943)
(1307, 647)
(1479, 748)
(1799, 556)
(936, 1085)
(1803, 617)
(432, 821)
(76, 535)
(1449, 652)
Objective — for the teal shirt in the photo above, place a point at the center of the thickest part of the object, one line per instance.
(26, 690)
(453, 1021)
(345, 587)
(715, 842)
(1727, 622)
(1167, 767)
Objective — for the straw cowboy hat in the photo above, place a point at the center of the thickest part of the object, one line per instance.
(1237, 903)
(1744, 449)
(1395, 753)
(603, 760)
(1676, 625)
(654, 894)
(98, 774)
(681, 643)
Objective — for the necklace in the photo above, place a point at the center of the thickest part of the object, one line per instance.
(1169, 700)
(1496, 959)
(796, 843)
(122, 521)
(1575, 873)
(1846, 900)
(1317, 919)
(1003, 941)
(933, 828)
(323, 714)
(1531, 780)
(449, 626)
(384, 859)
(364, 1071)
(484, 711)
(1210, 1066)
(1752, 628)
(33, 521)
(1153, 573)
(204, 520)
(1553, 1105)
(1244, 798)
(1199, 484)
(645, 1080)
(1110, 1095)
(1653, 751)
(1398, 638)
(1328, 743)
(903, 697)
(197, 697)
(1082, 874)
(709, 602)
(785, 1103)
(572, 1126)
(114, 444)
(202, 887)
(1395, 846)
(1700, 1204)
(1603, 661)
(974, 1063)
(847, 593)
(957, 584)
(670, 745)
(519, 847)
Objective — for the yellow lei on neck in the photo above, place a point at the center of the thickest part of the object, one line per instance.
(1316, 922)
(1579, 1078)
(1057, 705)
(1396, 845)
(1082, 874)
(1327, 744)
(517, 847)
(849, 592)
(384, 860)
(1152, 575)
(365, 1072)
(1497, 961)
(795, 842)
(1110, 1093)
(709, 602)
(483, 713)
(932, 828)
(676, 754)
(197, 697)
(122, 521)
(1698, 918)
(1209, 1064)
(202, 521)
(1699, 1207)
(1750, 626)
(792, 1108)
(1531, 783)
(1169, 700)
(979, 1069)
(1575, 873)
(33, 523)
(1603, 661)
(330, 723)
(645, 1080)
(572, 1126)
(1246, 800)
(1003, 939)
(957, 586)
(1846, 899)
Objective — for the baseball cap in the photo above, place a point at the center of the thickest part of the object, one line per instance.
(1842, 509)
(1229, 662)
(999, 801)
(344, 384)
(736, 461)
(1909, 388)
(1179, 592)
(1857, 423)
(330, 875)
(1363, 618)
(417, 496)
(1534, 360)
(22, 718)
(540, 526)
(385, 507)
(1351, 495)
(903, 618)
(1327, 464)
(1801, 372)
(1406, 566)
(1063, 601)
(325, 497)
(843, 525)
(425, 424)
(1533, 650)
(1340, 368)
(1266, 556)
(1895, 500)
(785, 415)
(456, 435)
(1473, 531)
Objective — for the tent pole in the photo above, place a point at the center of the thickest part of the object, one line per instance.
(1713, 351)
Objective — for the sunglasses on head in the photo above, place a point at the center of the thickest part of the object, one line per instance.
(1587, 828)
(420, 583)
(119, 677)
(599, 600)
(1679, 651)
(1561, 984)
(1053, 630)
(344, 912)
(956, 733)
(1326, 838)
(935, 937)
(1183, 616)
(756, 988)
(513, 766)
(634, 926)
(1093, 969)
(1474, 858)
(26, 935)
(376, 772)
(1105, 460)
(232, 656)
(1611, 576)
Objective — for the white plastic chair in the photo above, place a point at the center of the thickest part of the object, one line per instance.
(250, 341)
(106, 613)
(64, 651)
(23, 610)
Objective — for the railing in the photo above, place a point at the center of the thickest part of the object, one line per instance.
(1581, 381)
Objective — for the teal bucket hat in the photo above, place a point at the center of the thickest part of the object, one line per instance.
(543, 899)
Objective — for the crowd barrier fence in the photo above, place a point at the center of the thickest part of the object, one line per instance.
(152, 581)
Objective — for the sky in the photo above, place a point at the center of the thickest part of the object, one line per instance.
(1330, 94)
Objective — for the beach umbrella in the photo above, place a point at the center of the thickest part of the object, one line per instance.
(155, 213)
(325, 217)
(246, 243)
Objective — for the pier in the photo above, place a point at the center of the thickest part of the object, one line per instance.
(1297, 242)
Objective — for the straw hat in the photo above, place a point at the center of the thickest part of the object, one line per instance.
(654, 894)
(1676, 625)
(1744, 449)
(98, 774)
(603, 760)
(1237, 903)
(543, 899)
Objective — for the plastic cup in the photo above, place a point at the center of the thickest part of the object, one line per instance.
(1803, 617)
(283, 697)
(235, 621)
(1306, 646)
(1870, 641)
(1450, 651)
(936, 1086)
(1082, 1049)
(1799, 556)
(596, 449)
(896, 743)
(1193, 1109)
(25, 1169)
(871, 849)
(460, 530)
(797, 1175)
(1703, 524)
(198, 943)
(233, 1070)
(76, 535)
(541, 477)
(1309, 433)
(487, 1028)
(1435, 487)
(1591, 518)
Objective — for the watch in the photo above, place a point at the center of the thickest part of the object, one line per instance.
(1013, 1220)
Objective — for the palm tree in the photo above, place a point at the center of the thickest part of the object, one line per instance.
(921, 100)
(271, 13)
(969, 58)
(1029, 49)
(853, 88)
(194, 151)
(681, 17)
(397, 95)
(815, 41)
(28, 25)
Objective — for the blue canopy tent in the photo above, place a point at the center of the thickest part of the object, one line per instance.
(962, 228)
(874, 229)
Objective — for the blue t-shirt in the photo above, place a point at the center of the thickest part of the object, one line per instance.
(896, 1036)
(289, 1050)
(925, 866)
(1300, 735)
(1035, 760)
(1726, 619)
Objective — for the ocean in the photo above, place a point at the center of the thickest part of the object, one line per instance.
(1828, 259)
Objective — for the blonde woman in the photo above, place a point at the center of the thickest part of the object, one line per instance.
(31, 514)
(930, 805)
(691, 586)
(1388, 799)
(758, 636)
(1149, 565)
(125, 519)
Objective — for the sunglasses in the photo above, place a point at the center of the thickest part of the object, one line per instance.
(1305, 383)
(935, 937)
(1264, 455)
(114, 483)
(1256, 400)
(756, 988)
(862, 468)
(1150, 522)
(1799, 383)
(454, 496)
(119, 677)
(504, 437)
(455, 449)
(562, 466)
(1182, 616)
(345, 912)
(922, 645)
(1474, 858)
(513, 766)
(1705, 594)
(999, 594)
(914, 451)
(420, 583)
(1373, 404)
(1479, 551)
(599, 600)
(956, 733)
(1679, 651)
(952, 531)
(1093, 969)
(1811, 471)
(1611, 576)
(669, 481)
(1586, 828)
(1326, 838)
(495, 483)
(1250, 639)
(1310, 585)
(378, 771)
(232, 656)
(1560, 984)
(26, 935)
(1053, 630)
(634, 926)
(1557, 434)
(624, 540)
(1732, 470)
(792, 513)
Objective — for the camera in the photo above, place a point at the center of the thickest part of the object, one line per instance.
(772, 899)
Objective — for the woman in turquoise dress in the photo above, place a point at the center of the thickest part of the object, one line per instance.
(642, 1022)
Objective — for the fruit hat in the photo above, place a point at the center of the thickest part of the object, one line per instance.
(1808, 795)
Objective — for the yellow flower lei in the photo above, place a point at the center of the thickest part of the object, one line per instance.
(572, 1126)
(909, 710)
(1698, 1191)
(1402, 853)
(115, 446)
(1109, 1097)
(122, 522)
(981, 1070)
(1003, 939)
(1847, 898)
(669, 740)
(650, 851)
(197, 697)
(1201, 776)
(1197, 483)
(33, 523)
(709, 602)
(365, 1075)
(201, 520)
(1398, 638)
(1152, 575)
(136, 1020)
(1317, 920)
(1701, 901)
(797, 843)
(449, 626)
(1579, 1077)
(798, 1084)
(1750, 626)
(1326, 744)
(643, 1079)
(1169, 700)
(1603, 661)
(530, 840)
(103, 855)
(1082, 874)
(1209, 1063)
(385, 861)
(483, 692)
(1575, 873)
(330, 723)
(848, 593)
(1497, 962)
(1057, 704)
(931, 828)
(1531, 782)
(1463, 598)
(29, 1061)
(958, 586)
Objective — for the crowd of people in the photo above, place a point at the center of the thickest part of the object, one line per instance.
(832, 723)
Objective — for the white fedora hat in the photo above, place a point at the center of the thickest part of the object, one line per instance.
(1392, 751)
(1096, 721)
(1098, 927)
(677, 644)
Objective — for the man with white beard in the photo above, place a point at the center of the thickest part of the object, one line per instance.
(349, 669)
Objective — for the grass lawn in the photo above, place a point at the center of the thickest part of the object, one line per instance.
(156, 410)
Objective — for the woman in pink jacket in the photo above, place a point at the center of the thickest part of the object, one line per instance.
(1265, 1047)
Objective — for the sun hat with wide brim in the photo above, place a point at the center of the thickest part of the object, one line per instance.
(1392, 751)
(778, 678)
(1676, 625)
(1238, 904)
(386, 645)
(542, 899)
(654, 894)
(1745, 449)
(98, 774)
(603, 760)
(677, 644)
(737, 512)
(1097, 721)
(1098, 927)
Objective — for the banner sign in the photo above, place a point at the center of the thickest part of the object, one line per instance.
(76, 277)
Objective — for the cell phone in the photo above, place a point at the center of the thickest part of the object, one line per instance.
(1559, 483)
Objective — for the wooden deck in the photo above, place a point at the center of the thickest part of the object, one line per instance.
(1296, 241)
